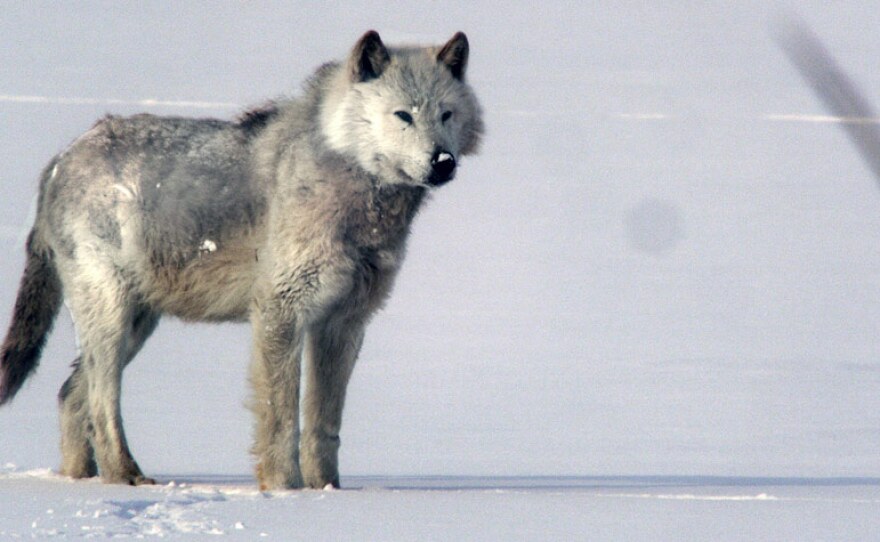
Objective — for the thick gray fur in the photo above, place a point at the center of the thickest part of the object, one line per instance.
(294, 217)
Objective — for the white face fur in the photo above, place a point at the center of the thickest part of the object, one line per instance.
(406, 131)
(399, 124)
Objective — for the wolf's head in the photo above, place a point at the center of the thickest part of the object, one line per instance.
(405, 115)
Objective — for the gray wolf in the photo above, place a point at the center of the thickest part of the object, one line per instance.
(294, 217)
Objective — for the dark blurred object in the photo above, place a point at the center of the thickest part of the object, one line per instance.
(836, 90)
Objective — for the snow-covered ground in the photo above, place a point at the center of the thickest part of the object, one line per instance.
(648, 311)
(445, 508)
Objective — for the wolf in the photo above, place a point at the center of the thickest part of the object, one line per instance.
(294, 217)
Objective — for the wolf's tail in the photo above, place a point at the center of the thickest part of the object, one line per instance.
(39, 297)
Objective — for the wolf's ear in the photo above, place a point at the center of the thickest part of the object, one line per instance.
(455, 55)
(369, 58)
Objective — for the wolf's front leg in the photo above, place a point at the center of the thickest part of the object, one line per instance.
(331, 351)
(275, 376)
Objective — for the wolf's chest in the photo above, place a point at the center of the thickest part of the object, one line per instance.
(381, 223)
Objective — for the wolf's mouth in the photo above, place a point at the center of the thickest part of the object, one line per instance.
(410, 179)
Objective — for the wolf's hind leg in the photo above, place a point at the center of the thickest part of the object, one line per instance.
(106, 317)
(77, 453)
(330, 355)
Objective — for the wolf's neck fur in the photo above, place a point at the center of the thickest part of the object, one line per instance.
(387, 213)
(332, 81)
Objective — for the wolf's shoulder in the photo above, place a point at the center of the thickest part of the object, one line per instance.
(255, 119)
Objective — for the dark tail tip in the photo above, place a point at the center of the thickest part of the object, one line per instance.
(37, 303)
(15, 367)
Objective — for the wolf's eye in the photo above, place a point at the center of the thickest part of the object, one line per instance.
(445, 116)
(404, 116)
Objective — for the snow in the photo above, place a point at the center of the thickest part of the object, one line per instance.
(441, 508)
(648, 310)
(208, 246)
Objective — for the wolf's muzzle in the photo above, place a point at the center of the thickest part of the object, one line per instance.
(442, 168)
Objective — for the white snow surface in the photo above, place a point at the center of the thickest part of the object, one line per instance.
(441, 508)
(647, 311)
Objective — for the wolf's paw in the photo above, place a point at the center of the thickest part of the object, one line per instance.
(322, 480)
(129, 479)
(142, 480)
(269, 481)
(133, 480)
(318, 460)
(80, 470)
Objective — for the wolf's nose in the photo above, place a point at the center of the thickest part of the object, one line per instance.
(442, 166)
